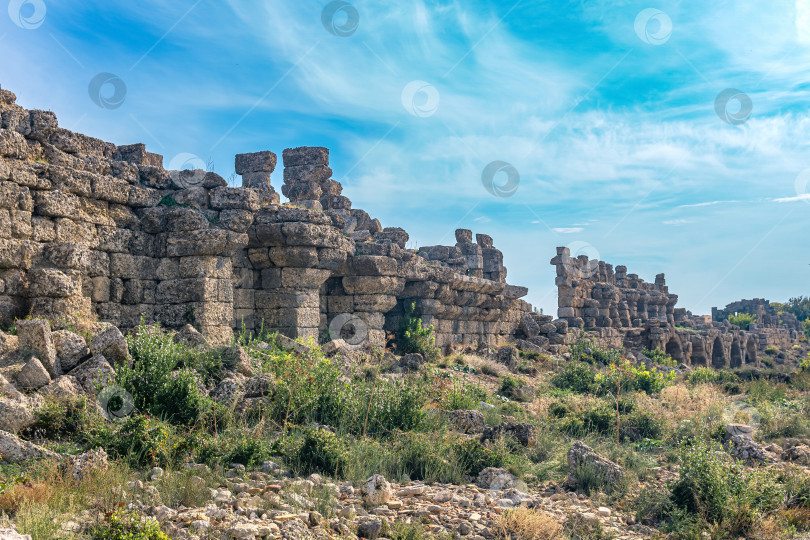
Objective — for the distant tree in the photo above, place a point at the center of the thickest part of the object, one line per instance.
(743, 320)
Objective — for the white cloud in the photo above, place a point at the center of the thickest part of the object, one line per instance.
(677, 222)
(802, 197)
(568, 230)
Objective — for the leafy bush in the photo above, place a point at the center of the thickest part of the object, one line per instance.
(158, 380)
(125, 526)
(64, 418)
(702, 375)
(659, 357)
(142, 440)
(588, 351)
(575, 376)
(475, 457)
(627, 377)
(743, 320)
(314, 450)
(806, 328)
(415, 338)
(721, 491)
(462, 396)
(510, 385)
(635, 424)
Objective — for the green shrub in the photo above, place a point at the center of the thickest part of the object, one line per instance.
(124, 526)
(65, 418)
(511, 387)
(317, 450)
(635, 424)
(142, 440)
(158, 381)
(415, 338)
(462, 396)
(588, 351)
(475, 457)
(721, 491)
(659, 357)
(631, 378)
(806, 328)
(575, 376)
(702, 375)
(743, 320)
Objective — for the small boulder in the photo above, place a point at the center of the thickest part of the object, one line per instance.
(508, 356)
(77, 467)
(238, 357)
(799, 454)
(15, 450)
(111, 344)
(64, 387)
(376, 491)
(94, 374)
(470, 421)
(8, 343)
(748, 451)
(369, 529)
(259, 386)
(11, 534)
(35, 337)
(412, 361)
(190, 337)
(33, 375)
(15, 415)
(228, 392)
(582, 456)
(70, 348)
(9, 390)
(289, 343)
(524, 433)
(334, 346)
(741, 430)
(496, 479)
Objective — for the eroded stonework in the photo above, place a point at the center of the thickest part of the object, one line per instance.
(622, 310)
(90, 230)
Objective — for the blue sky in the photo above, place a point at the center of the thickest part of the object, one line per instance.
(606, 110)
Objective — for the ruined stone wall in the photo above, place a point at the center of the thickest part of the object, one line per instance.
(592, 295)
(90, 229)
(622, 310)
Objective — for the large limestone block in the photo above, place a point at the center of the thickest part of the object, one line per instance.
(112, 345)
(33, 375)
(94, 374)
(70, 348)
(35, 335)
(264, 161)
(15, 415)
(15, 450)
(373, 285)
(306, 278)
(372, 265)
(305, 155)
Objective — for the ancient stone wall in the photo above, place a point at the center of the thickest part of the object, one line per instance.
(622, 310)
(90, 229)
(592, 295)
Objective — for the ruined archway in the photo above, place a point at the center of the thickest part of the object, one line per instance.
(718, 354)
(673, 348)
(736, 354)
(698, 354)
(750, 351)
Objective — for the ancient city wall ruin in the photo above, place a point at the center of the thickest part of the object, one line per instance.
(89, 229)
(623, 310)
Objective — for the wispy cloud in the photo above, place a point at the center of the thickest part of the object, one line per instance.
(568, 230)
(803, 197)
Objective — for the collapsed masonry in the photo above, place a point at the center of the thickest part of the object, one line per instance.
(625, 311)
(90, 229)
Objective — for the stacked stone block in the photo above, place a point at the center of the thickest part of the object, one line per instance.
(591, 294)
(89, 229)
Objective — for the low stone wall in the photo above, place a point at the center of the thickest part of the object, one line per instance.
(90, 230)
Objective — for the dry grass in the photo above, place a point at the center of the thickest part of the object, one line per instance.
(527, 524)
(41, 506)
(485, 365)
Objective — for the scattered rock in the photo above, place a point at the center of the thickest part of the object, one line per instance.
(748, 451)
(369, 529)
(70, 348)
(524, 433)
(33, 375)
(238, 357)
(15, 415)
(289, 343)
(94, 374)
(190, 337)
(64, 387)
(112, 345)
(580, 455)
(35, 336)
(508, 356)
(11, 534)
(376, 491)
(15, 450)
(77, 467)
(495, 479)
(412, 361)
(469, 421)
